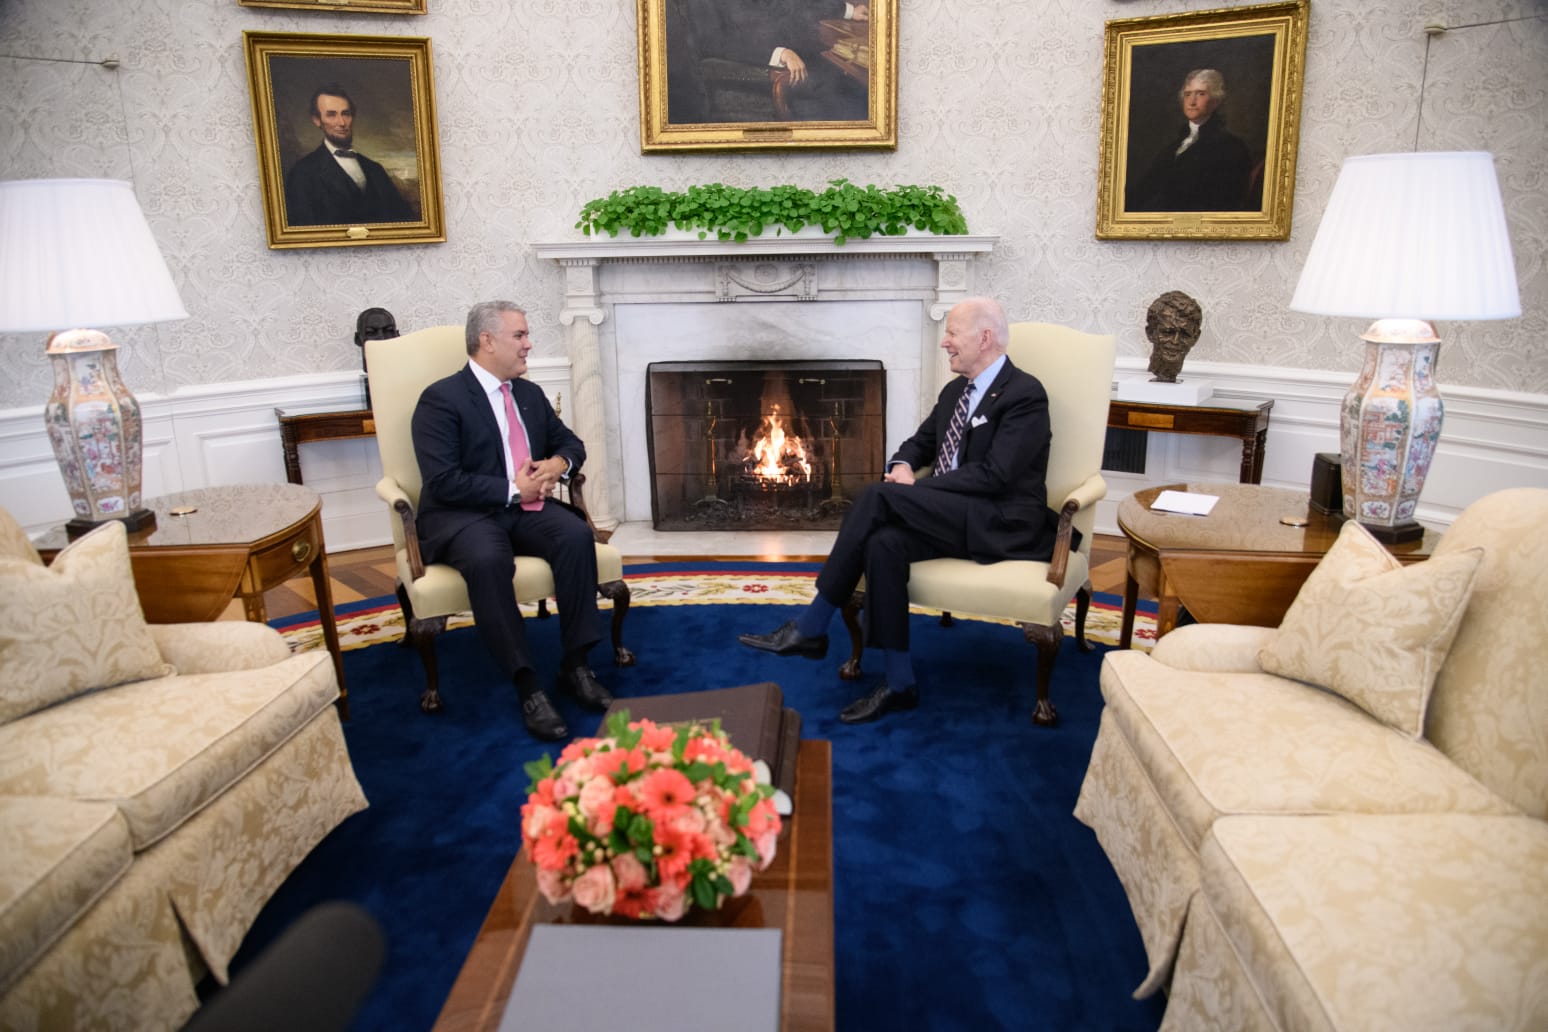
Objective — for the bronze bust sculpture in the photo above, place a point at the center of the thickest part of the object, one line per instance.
(1172, 325)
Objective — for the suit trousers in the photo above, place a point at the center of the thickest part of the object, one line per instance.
(484, 553)
(889, 526)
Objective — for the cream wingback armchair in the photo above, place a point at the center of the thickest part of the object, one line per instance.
(430, 592)
(1077, 371)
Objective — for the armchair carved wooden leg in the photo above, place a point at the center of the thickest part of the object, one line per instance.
(1046, 640)
(1082, 607)
(421, 634)
(618, 593)
(850, 671)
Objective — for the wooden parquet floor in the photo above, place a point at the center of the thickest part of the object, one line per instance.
(370, 573)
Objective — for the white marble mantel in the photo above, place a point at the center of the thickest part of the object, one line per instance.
(630, 301)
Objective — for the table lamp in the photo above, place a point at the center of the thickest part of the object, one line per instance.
(1405, 239)
(78, 253)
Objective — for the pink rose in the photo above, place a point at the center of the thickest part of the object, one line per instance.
(565, 786)
(596, 800)
(765, 845)
(551, 885)
(629, 872)
(671, 903)
(689, 822)
(537, 820)
(740, 873)
(595, 889)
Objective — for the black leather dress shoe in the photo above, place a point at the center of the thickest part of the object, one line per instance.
(878, 701)
(787, 641)
(582, 683)
(542, 720)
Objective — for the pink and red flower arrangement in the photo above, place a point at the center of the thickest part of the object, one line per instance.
(648, 820)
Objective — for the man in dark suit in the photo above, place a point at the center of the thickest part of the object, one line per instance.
(335, 184)
(1202, 168)
(491, 450)
(988, 439)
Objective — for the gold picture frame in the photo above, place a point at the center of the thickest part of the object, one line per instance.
(709, 81)
(1233, 178)
(383, 94)
(355, 7)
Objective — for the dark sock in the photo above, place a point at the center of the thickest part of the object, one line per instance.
(575, 659)
(526, 683)
(814, 619)
(899, 669)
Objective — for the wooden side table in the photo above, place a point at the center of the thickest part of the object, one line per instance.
(1239, 564)
(298, 428)
(213, 544)
(1222, 417)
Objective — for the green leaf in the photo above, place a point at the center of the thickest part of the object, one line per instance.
(537, 770)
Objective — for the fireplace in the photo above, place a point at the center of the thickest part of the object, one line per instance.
(779, 445)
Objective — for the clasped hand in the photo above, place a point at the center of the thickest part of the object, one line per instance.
(537, 480)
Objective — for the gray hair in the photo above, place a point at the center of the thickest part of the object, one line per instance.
(484, 317)
(987, 314)
(1212, 80)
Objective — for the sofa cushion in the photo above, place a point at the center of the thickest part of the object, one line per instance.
(161, 750)
(1373, 630)
(73, 626)
(57, 857)
(1230, 743)
(1389, 922)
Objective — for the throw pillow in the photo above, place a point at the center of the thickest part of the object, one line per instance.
(73, 626)
(1372, 630)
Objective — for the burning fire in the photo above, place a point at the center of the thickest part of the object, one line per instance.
(777, 456)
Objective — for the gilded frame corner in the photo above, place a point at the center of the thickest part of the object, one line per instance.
(678, 112)
(351, 6)
(396, 132)
(1261, 53)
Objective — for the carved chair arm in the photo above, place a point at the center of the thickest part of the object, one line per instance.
(1085, 495)
(577, 486)
(387, 490)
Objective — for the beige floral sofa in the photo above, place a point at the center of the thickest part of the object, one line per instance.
(157, 784)
(1342, 823)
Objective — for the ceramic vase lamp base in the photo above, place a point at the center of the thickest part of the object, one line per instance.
(93, 423)
(1390, 423)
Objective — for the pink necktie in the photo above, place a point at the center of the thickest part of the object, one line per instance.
(520, 453)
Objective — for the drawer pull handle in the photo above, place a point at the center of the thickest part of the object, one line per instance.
(300, 550)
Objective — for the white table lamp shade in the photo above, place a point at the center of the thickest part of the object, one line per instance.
(76, 254)
(1418, 236)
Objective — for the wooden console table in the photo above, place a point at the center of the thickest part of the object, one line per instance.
(1221, 417)
(213, 544)
(298, 428)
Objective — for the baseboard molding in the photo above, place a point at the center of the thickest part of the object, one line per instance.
(228, 434)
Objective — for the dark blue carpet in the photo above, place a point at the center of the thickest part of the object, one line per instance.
(966, 895)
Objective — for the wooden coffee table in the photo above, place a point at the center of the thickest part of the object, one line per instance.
(1239, 564)
(795, 895)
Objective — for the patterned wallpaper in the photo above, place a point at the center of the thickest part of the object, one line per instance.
(999, 103)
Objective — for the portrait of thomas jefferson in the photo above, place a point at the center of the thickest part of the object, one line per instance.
(1198, 126)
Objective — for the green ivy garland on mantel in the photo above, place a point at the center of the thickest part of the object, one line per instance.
(735, 213)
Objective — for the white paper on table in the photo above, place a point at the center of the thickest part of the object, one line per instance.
(1185, 502)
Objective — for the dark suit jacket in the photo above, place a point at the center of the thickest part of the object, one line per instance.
(1002, 466)
(1211, 175)
(320, 193)
(462, 459)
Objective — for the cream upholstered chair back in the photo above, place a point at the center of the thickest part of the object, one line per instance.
(1076, 369)
(1489, 711)
(400, 369)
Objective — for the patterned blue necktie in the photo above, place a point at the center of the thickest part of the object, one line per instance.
(946, 455)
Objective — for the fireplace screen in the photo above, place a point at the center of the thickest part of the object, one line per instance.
(762, 445)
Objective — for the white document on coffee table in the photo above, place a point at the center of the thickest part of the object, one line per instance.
(1185, 502)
